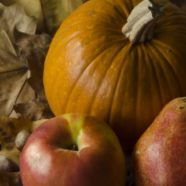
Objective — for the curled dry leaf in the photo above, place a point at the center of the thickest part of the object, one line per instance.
(33, 48)
(34, 110)
(22, 54)
(14, 17)
(33, 10)
(14, 71)
(13, 75)
(48, 14)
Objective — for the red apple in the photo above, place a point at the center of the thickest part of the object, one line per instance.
(72, 150)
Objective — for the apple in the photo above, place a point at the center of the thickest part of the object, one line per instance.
(72, 150)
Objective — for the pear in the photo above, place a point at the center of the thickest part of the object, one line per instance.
(160, 153)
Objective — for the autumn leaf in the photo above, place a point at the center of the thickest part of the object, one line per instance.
(56, 11)
(14, 17)
(48, 14)
(22, 54)
(9, 128)
(13, 74)
(33, 48)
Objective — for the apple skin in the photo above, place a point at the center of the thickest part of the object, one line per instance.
(50, 157)
(160, 153)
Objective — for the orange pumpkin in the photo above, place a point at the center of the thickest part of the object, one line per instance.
(93, 68)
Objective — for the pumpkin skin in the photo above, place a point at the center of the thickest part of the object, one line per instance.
(178, 2)
(92, 68)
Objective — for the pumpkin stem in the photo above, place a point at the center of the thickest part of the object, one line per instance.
(141, 21)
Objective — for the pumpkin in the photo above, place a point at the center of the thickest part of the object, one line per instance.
(103, 63)
(180, 3)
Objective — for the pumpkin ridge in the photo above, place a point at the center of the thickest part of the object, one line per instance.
(142, 60)
(120, 121)
(114, 6)
(155, 58)
(100, 83)
(92, 61)
(137, 69)
(167, 22)
(169, 28)
(125, 10)
(114, 94)
(155, 66)
(141, 54)
(68, 38)
(121, 13)
(117, 84)
(87, 30)
(79, 76)
(172, 67)
(111, 63)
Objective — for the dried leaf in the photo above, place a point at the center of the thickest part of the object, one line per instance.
(34, 110)
(7, 2)
(9, 128)
(14, 17)
(56, 11)
(34, 48)
(48, 14)
(33, 9)
(21, 66)
(6, 44)
(13, 74)
(26, 94)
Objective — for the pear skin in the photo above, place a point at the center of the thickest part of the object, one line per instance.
(160, 153)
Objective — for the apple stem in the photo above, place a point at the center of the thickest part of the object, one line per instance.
(73, 147)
